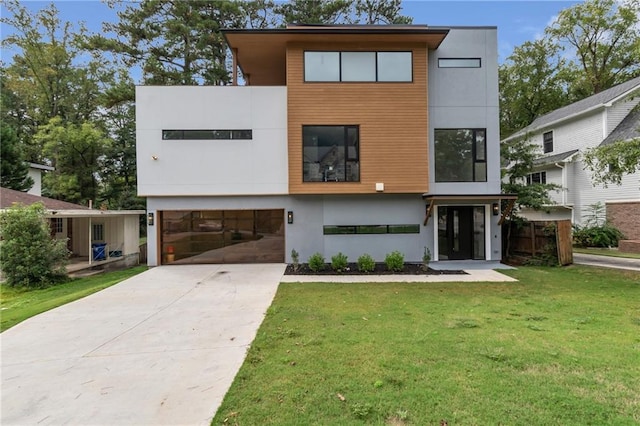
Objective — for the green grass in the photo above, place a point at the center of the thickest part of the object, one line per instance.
(606, 252)
(561, 346)
(18, 304)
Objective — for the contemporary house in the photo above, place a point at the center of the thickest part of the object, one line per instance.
(564, 134)
(352, 139)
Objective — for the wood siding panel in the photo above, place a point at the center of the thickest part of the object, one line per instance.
(392, 119)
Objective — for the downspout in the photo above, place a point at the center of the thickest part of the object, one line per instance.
(563, 167)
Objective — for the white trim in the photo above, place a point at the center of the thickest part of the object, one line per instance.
(487, 231)
(637, 200)
(436, 247)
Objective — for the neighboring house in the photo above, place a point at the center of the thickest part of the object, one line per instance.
(352, 139)
(564, 134)
(92, 235)
(35, 173)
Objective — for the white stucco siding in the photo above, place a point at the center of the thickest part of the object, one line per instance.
(212, 167)
(466, 98)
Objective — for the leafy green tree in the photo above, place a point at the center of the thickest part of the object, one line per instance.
(380, 12)
(604, 35)
(28, 255)
(77, 153)
(14, 170)
(609, 163)
(532, 83)
(314, 11)
(48, 76)
(517, 159)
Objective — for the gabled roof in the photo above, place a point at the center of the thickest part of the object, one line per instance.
(556, 158)
(599, 100)
(9, 196)
(629, 128)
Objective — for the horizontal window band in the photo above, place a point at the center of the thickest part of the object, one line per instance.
(370, 229)
(208, 134)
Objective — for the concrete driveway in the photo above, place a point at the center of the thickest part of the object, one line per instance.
(160, 348)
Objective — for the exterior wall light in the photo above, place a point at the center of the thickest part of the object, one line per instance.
(495, 207)
(150, 219)
(289, 217)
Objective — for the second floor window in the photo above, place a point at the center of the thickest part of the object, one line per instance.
(538, 177)
(358, 66)
(461, 155)
(547, 140)
(331, 153)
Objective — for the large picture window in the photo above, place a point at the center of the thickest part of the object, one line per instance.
(331, 153)
(461, 155)
(358, 66)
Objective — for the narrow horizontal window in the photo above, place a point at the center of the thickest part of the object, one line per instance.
(370, 229)
(459, 63)
(206, 134)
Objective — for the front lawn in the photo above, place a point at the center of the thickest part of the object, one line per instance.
(562, 346)
(16, 305)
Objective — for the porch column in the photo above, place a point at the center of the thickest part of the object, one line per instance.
(234, 54)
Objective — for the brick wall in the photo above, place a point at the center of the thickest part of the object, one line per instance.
(626, 217)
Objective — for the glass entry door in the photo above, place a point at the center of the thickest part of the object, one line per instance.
(461, 232)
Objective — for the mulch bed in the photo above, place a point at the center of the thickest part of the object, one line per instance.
(380, 269)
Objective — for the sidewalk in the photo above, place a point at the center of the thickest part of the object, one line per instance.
(607, 261)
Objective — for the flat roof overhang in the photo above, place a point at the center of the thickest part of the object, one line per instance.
(434, 199)
(261, 54)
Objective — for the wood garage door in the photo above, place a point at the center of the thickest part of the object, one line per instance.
(221, 236)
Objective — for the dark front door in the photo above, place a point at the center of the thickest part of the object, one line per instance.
(460, 232)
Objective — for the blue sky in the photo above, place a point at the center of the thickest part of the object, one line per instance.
(517, 21)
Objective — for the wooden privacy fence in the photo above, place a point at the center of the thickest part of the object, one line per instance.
(538, 238)
(143, 254)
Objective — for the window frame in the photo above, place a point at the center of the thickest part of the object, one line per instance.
(347, 157)
(57, 226)
(547, 141)
(97, 230)
(474, 154)
(443, 61)
(537, 178)
(395, 229)
(340, 78)
(216, 134)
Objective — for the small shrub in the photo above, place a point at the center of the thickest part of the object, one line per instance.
(339, 262)
(29, 257)
(295, 259)
(316, 262)
(361, 409)
(366, 263)
(597, 236)
(426, 258)
(394, 261)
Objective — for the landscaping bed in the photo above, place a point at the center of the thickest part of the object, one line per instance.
(379, 269)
